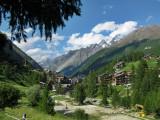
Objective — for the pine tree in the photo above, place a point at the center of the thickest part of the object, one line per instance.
(43, 101)
(91, 85)
(116, 100)
(103, 91)
(138, 96)
(79, 93)
(46, 103)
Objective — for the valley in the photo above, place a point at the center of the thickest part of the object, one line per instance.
(109, 84)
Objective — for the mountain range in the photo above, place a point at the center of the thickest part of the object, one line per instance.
(84, 60)
(76, 57)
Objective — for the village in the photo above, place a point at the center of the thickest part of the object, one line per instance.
(79, 60)
(118, 77)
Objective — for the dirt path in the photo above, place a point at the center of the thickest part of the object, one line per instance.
(106, 113)
(118, 117)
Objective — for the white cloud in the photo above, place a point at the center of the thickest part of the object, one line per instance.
(76, 41)
(40, 54)
(124, 29)
(111, 29)
(39, 49)
(29, 44)
(107, 26)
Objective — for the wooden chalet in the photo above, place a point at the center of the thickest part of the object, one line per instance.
(121, 78)
(119, 65)
(106, 77)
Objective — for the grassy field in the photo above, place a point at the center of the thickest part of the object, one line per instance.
(33, 113)
(23, 107)
(151, 63)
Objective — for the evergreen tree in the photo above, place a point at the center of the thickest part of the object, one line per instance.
(126, 100)
(116, 100)
(59, 88)
(33, 95)
(91, 85)
(138, 96)
(79, 93)
(36, 14)
(46, 103)
(44, 99)
(103, 91)
(150, 103)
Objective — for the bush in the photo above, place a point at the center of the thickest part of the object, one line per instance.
(33, 95)
(158, 113)
(50, 106)
(152, 102)
(126, 102)
(8, 96)
(81, 115)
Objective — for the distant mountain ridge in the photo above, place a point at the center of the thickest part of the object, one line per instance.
(105, 54)
(139, 40)
(76, 57)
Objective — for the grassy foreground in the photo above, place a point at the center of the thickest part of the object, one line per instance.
(32, 114)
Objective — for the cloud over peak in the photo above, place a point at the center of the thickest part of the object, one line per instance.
(106, 26)
(102, 31)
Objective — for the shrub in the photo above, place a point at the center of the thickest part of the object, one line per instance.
(158, 113)
(8, 96)
(81, 115)
(50, 106)
(33, 95)
(126, 102)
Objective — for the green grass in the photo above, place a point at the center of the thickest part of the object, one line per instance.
(32, 114)
(129, 66)
(152, 63)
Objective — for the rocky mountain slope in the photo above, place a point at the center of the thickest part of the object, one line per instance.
(76, 57)
(86, 59)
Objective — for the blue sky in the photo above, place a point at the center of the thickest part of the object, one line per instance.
(100, 19)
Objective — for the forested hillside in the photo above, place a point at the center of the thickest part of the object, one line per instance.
(103, 57)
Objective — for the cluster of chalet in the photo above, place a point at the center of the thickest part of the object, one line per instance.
(54, 78)
(119, 77)
(150, 56)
